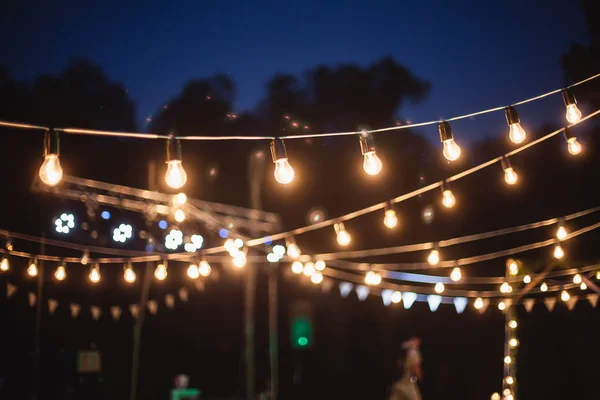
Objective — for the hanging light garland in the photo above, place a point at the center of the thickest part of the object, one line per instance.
(573, 114)
(510, 176)
(176, 177)
(284, 173)
(51, 172)
(516, 132)
(372, 163)
(451, 150)
(573, 146)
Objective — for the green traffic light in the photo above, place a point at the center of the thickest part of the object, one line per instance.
(302, 341)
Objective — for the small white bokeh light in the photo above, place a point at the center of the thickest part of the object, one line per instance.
(195, 243)
(174, 239)
(64, 223)
(122, 233)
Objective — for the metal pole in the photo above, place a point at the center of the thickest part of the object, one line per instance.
(273, 336)
(38, 322)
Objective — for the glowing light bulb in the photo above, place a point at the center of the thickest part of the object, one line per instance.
(179, 215)
(577, 279)
(94, 274)
(510, 176)
(32, 270)
(544, 287)
(583, 286)
(342, 235)
(517, 133)
(372, 278)
(448, 199)
(160, 272)
(456, 274)
(512, 324)
(51, 172)
(60, 274)
(598, 275)
(293, 250)
(439, 288)
(513, 267)
(4, 265)
(451, 150)
(526, 279)
(573, 113)
(505, 288)
(513, 343)
(284, 173)
(510, 380)
(501, 306)
(478, 303)
(390, 219)
(434, 257)
(507, 360)
(297, 267)
(573, 146)
(204, 268)
(316, 278)
(564, 295)
(372, 163)
(396, 297)
(561, 233)
(193, 272)
(176, 176)
(239, 259)
(129, 275)
(309, 269)
(495, 396)
(320, 265)
(558, 252)
(179, 199)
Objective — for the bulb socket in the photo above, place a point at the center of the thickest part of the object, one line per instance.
(367, 143)
(445, 131)
(568, 97)
(338, 227)
(51, 143)
(278, 151)
(505, 162)
(512, 117)
(173, 149)
(388, 206)
(445, 186)
(568, 134)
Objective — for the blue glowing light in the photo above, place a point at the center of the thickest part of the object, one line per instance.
(268, 240)
(162, 224)
(105, 215)
(223, 233)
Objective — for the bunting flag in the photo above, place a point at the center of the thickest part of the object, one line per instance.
(135, 310)
(153, 306)
(52, 305)
(96, 311)
(528, 303)
(345, 288)
(550, 302)
(74, 310)
(199, 284)
(170, 301)
(408, 298)
(484, 305)
(362, 292)
(386, 297)
(593, 299)
(508, 303)
(460, 303)
(32, 299)
(183, 294)
(327, 285)
(434, 301)
(115, 312)
(571, 303)
(10, 290)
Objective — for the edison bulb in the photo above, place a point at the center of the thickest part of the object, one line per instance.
(451, 150)
(129, 275)
(478, 303)
(32, 270)
(193, 272)
(297, 267)
(502, 306)
(175, 176)
(510, 380)
(239, 259)
(577, 279)
(507, 360)
(372, 163)
(204, 268)
(495, 396)
(60, 274)
(434, 257)
(161, 272)
(573, 146)
(372, 278)
(573, 114)
(4, 265)
(561, 233)
(512, 324)
(396, 297)
(179, 199)
(513, 342)
(456, 274)
(284, 173)
(309, 269)
(564, 295)
(316, 278)
(583, 286)
(526, 279)
(94, 275)
(439, 288)
(448, 199)
(390, 219)
(320, 265)
(517, 133)
(51, 172)
(558, 252)
(505, 288)
(343, 237)
(179, 215)
(293, 250)
(544, 287)
(510, 176)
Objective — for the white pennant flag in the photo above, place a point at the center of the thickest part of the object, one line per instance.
(31, 299)
(199, 284)
(74, 310)
(434, 301)
(135, 310)
(115, 312)
(386, 297)
(571, 303)
(183, 294)
(52, 305)
(529, 303)
(408, 298)
(460, 303)
(345, 288)
(362, 292)
(95, 312)
(550, 302)
(593, 299)
(10, 290)
(327, 285)
(152, 306)
(170, 300)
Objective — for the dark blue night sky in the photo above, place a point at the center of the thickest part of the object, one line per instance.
(476, 54)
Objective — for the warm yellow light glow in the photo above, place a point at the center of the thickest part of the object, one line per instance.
(95, 274)
(583, 286)
(510, 176)
(526, 279)
(573, 114)
(561, 233)
(456, 274)
(512, 324)
(372, 278)
(439, 288)
(501, 306)
(544, 287)
(513, 267)
(573, 146)
(51, 172)
(309, 269)
(495, 396)
(160, 272)
(129, 274)
(204, 268)
(516, 133)
(230, 246)
(448, 199)
(451, 150)
(179, 215)
(505, 288)
(342, 235)
(316, 278)
(509, 397)
(297, 267)
(284, 173)
(193, 272)
(510, 380)
(176, 176)
(372, 163)
(564, 295)
(434, 257)
(558, 252)
(598, 275)
(506, 392)
(60, 274)
(179, 199)
(507, 360)
(293, 250)
(4, 264)
(239, 259)
(513, 343)
(320, 265)
(478, 304)
(390, 219)
(396, 297)
(577, 279)
(32, 270)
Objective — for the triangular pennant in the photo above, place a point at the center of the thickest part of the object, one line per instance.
(74, 310)
(434, 301)
(170, 301)
(183, 294)
(199, 284)
(386, 297)
(10, 290)
(408, 298)
(508, 303)
(571, 303)
(52, 305)
(32, 299)
(327, 285)
(115, 311)
(95, 312)
(460, 303)
(135, 310)
(152, 306)
(345, 288)
(484, 305)
(362, 292)
(593, 299)
(528, 303)
(550, 302)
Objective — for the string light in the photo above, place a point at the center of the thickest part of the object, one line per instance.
(51, 172)
(439, 288)
(573, 114)
(179, 199)
(583, 286)
(565, 296)
(176, 177)
(396, 297)
(451, 149)
(320, 265)
(9, 244)
(204, 269)
(478, 304)
(598, 275)
(558, 252)
(160, 272)
(60, 273)
(309, 269)
(85, 257)
(513, 343)
(516, 132)
(505, 288)
(513, 266)
(95, 274)
(495, 396)
(512, 324)
(293, 250)
(573, 146)
(510, 380)
(501, 306)
(456, 274)
(284, 173)
(448, 199)
(193, 272)
(561, 232)
(434, 257)
(544, 287)
(316, 278)
(342, 235)
(32, 270)
(577, 279)
(372, 278)
(507, 360)
(4, 264)
(372, 163)
(128, 274)
(179, 215)
(239, 259)
(297, 267)
(510, 176)
(526, 279)
(390, 219)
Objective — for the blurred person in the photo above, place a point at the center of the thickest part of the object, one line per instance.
(406, 388)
